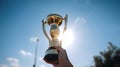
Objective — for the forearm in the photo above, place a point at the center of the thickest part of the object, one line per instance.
(66, 63)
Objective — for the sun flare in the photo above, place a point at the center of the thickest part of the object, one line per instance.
(67, 38)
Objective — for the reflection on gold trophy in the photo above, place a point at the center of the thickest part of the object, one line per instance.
(54, 21)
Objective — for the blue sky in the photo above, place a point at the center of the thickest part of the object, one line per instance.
(93, 22)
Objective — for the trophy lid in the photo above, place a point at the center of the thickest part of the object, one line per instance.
(54, 18)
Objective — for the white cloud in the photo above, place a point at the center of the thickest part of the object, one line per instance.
(34, 39)
(81, 20)
(77, 20)
(14, 62)
(3, 65)
(25, 53)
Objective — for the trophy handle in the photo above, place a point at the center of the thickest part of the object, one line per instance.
(65, 26)
(43, 26)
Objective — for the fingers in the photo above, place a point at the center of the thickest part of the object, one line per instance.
(59, 48)
(62, 55)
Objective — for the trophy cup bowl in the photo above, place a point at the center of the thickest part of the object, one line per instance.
(54, 21)
(54, 18)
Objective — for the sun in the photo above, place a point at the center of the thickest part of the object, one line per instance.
(67, 38)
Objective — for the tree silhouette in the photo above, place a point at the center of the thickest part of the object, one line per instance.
(109, 58)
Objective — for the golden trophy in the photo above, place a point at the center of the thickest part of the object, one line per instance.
(54, 21)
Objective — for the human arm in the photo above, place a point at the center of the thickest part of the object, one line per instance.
(63, 60)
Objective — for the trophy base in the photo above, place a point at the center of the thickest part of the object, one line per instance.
(51, 58)
(51, 55)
